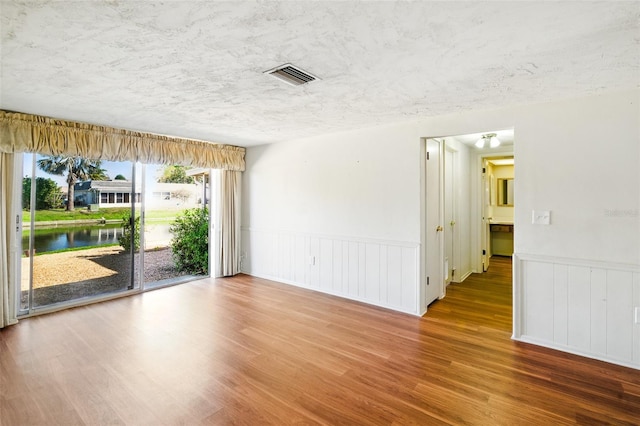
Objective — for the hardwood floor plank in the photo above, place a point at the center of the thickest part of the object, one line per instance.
(248, 351)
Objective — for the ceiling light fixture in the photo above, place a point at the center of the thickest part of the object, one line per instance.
(490, 138)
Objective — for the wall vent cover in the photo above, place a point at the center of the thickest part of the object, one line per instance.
(291, 74)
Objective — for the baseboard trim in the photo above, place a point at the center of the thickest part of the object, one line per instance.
(465, 276)
(562, 348)
(343, 296)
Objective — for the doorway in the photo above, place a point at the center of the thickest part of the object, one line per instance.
(456, 232)
(498, 207)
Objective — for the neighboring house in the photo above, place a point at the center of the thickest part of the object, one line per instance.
(168, 195)
(117, 193)
(105, 193)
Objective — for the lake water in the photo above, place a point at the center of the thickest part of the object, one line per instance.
(83, 236)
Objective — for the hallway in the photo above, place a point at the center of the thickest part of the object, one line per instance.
(482, 300)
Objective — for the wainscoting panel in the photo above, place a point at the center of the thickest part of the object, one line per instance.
(383, 273)
(579, 306)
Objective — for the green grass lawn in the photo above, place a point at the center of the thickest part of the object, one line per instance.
(161, 216)
(115, 213)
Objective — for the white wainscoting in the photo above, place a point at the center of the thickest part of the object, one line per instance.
(382, 273)
(578, 306)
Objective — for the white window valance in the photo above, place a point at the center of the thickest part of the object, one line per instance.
(49, 136)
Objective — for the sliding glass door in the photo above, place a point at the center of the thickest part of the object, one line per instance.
(78, 238)
(92, 229)
(174, 200)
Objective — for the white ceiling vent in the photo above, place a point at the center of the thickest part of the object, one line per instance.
(291, 75)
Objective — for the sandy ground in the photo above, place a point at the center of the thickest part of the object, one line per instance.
(70, 275)
(73, 266)
(69, 267)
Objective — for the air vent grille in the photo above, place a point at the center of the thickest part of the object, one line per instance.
(291, 75)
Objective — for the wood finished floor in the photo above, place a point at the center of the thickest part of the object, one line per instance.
(249, 351)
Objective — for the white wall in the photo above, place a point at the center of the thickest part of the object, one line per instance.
(580, 159)
(338, 214)
(351, 201)
(578, 279)
(359, 184)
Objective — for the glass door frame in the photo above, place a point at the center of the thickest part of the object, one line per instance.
(36, 310)
(207, 197)
(210, 180)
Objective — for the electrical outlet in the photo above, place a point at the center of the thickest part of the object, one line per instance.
(541, 217)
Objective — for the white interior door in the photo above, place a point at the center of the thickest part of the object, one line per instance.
(434, 227)
(449, 214)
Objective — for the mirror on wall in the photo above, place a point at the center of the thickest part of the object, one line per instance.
(500, 171)
(505, 192)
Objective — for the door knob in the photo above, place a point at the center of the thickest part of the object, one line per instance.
(439, 228)
(452, 223)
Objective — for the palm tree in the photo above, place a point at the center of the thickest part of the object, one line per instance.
(97, 173)
(76, 168)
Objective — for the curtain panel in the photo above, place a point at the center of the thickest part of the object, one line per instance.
(44, 135)
(8, 234)
(229, 219)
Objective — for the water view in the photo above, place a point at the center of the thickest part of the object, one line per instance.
(81, 257)
(60, 238)
(51, 239)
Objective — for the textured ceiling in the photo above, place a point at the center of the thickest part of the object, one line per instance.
(194, 68)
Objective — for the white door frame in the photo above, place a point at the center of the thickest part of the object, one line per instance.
(478, 223)
(476, 206)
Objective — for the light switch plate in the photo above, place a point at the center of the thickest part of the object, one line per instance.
(541, 217)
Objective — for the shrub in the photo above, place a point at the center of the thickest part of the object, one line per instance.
(125, 240)
(190, 242)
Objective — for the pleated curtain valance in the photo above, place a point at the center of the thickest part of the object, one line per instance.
(49, 136)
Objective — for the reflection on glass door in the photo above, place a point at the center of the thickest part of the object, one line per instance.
(78, 237)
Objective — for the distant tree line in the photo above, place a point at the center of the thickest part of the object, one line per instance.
(48, 194)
